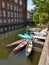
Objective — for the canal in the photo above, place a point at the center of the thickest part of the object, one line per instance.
(6, 55)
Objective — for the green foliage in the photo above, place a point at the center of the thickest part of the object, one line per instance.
(42, 12)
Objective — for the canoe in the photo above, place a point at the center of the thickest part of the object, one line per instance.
(29, 48)
(21, 36)
(20, 47)
(26, 36)
(14, 43)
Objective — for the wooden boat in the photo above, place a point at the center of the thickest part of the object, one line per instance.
(29, 48)
(14, 43)
(20, 47)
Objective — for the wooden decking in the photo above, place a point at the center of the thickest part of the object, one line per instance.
(39, 42)
(43, 30)
(37, 49)
(44, 59)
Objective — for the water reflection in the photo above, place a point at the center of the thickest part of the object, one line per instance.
(34, 58)
(17, 59)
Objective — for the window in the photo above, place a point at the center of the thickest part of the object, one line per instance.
(15, 8)
(15, 27)
(20, 9)
(20, 2)
(11, 20)
(0, 20)
(8, 5)
(16, 1)
(11, 7)
(4, 20)
(3, 4)
(20, 15)
(14, 14)
(0, 13)
(4, 13)
(9, 28)
(5, 28)
(8, 20)
(8, 14)
(12, 27)
(11, 14)
(17, 14)
(1, 29)
(15, 20)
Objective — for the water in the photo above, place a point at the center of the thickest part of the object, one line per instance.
(8, 58)
(21, 59)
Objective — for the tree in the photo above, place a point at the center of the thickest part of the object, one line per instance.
(42, 12)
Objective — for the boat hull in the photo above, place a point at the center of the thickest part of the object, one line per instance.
(17, 50)
(14, 43)
(29, 49)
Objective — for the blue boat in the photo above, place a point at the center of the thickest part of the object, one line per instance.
(21, 36)
(25, 35)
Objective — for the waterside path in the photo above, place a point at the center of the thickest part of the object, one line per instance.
(44, 59)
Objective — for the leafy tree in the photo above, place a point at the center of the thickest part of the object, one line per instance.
(42, 12)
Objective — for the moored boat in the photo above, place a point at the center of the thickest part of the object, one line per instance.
(38, 35)
(14, 43)
(29, 48)
(20, 47)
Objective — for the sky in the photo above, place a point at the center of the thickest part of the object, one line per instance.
(30, 5)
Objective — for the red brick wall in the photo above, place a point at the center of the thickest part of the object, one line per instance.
(9, 14)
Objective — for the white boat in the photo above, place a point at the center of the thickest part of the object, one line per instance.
(29, 48)
(38, 35)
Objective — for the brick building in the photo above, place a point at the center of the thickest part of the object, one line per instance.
(13, 14)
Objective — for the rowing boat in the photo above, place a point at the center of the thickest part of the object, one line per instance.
(14, 43)
(29, 48)
(20, 47)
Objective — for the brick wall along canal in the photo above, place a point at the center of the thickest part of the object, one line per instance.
(8, 58)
